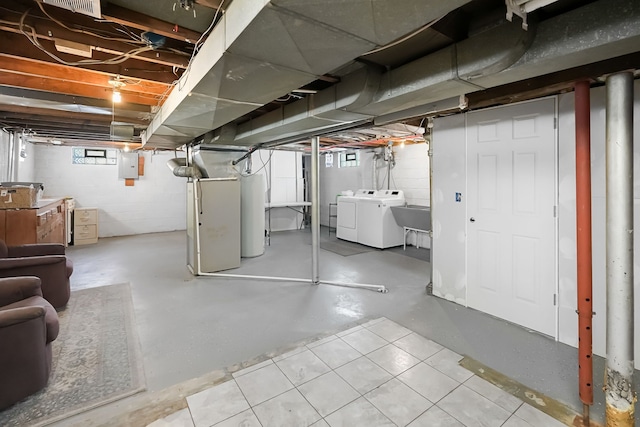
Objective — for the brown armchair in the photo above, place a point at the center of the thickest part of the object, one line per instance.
(28, 325)
(46, 261)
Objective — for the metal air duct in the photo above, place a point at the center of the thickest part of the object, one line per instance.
(261, 50)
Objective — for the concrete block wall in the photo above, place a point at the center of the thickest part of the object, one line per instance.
(411, 173)
(156, 203)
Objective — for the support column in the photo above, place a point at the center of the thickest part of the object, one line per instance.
(583, 244)
(620, 399)
(315, 211)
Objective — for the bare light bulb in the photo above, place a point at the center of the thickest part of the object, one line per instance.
(117, 97)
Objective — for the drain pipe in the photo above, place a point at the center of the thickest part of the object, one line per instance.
(583, 244)
(429, 132)
(315, 211)
(620, 398)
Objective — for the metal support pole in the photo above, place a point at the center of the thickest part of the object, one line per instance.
(429, 131)
(620, 399)
(315, 211)
(583, 244)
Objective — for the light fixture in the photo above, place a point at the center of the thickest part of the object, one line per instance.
(126, 148)
(117, 84)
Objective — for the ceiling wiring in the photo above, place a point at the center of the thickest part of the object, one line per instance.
(62, 24)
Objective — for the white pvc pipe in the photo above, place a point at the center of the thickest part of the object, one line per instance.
(249, 276)
(378, 288)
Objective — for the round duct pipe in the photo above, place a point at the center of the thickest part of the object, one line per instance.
(179, 168)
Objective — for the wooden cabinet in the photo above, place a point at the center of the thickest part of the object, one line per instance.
(85, 226)
(43, 224)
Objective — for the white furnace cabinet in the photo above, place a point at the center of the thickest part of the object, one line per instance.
(213, 225)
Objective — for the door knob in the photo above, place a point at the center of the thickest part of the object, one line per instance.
(472, 219)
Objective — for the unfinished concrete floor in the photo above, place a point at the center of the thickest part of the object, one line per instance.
(189, 326)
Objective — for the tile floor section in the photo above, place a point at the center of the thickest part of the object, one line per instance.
(375, 374)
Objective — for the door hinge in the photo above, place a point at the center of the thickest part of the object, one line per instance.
(555, 299)
(555, 123)
(555, 211)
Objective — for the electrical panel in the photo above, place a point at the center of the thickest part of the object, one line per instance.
(128, 166)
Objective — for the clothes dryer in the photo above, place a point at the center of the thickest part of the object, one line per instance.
(347, 221)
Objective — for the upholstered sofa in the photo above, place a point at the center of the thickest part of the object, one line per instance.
(28, 325)
(46, 261)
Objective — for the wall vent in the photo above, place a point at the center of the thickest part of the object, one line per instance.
(85, 7)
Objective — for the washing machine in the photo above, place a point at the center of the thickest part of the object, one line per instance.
(376, 225)
(347, 221)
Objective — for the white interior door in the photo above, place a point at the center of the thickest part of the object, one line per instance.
(511, 213)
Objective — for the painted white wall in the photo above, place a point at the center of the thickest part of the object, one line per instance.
(27, 165)
(448, 216)
(157, 201)
(410, 174)
(567, 211)
(334, 180)
(449, 224)
(284, 184)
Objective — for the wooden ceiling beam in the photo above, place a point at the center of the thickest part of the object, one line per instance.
(143, 22)
(49, 115)
(33, 96)
(51, 32)
(74, 88)
(213, 4)
(34, 68)
(17, 46)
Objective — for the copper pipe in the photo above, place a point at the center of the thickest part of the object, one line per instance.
(583, 243)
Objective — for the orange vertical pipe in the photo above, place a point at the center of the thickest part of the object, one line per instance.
(583, 239)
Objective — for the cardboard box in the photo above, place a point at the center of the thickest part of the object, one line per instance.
(19, 197)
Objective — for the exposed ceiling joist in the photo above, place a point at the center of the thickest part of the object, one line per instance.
(80, 101)
(74, 88)
(142, 22)
(16, 45)
(71, 74)
(34, 114)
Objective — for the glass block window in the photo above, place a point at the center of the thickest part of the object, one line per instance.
(94, 156)
(348, 160)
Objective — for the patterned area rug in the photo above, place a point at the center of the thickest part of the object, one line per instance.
(96, 359)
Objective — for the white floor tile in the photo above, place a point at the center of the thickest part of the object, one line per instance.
(263, 384)
(498, 396)
(536, 418)
(363, 375)
(302, 367)
(471, 409)
(389, 330)
(328, 393)
(418, 346)
(336, 353)
(243, 419)
(392, 359)
(249, 369)
(349, 331)
(429, 382)
(398, 402)
(216, 404)
(358, 413)
(181, 418)
(289, 353)
(373, 322)
(515, 421)
(436, 417)
(446, 361)
(322, 341)
(287, 409)
(364, 341)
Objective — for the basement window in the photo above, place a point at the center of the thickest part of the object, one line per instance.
(94, 156)
(348, 160)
